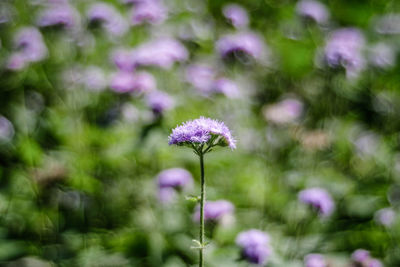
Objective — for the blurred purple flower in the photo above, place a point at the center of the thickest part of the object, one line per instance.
(344, 49)
(124, 82)
(382, 56)
(214, 210)
(170, 180)
(236, 15)
(318, 198)
(314, 10)
(315, 260)
(6, 129)
(367, 143)
(283, 112)
(176, 178)
(163, 53)
(95, 79)
(30, 47)
(244, 42)
(363, 257)
(159, 101)
(254, 246)
(200, 131)
(227, 87)
(123, 59)
(150, 11)
(385, 216)
(109, 17)
(388, 24)
(58, 15)
(201, 77)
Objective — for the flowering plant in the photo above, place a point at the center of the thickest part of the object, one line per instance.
(202, 135)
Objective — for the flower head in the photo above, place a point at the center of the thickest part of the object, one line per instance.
(363, 258)
(385, 217)
(319, 198)
(58, 15)
(6, 130)
(202, 131)
(214, 210)
(125, 82)
(150, 11)
(109, 17)
(315, 260)
(245, 42)
(236, 15)
(159, 101)
(170, 180)
(254, 246)
(314, 10)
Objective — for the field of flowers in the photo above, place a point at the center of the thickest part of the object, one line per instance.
(102, 104)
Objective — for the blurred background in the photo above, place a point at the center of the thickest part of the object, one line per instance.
(90, 91)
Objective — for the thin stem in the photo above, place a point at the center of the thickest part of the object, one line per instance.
(202, 200)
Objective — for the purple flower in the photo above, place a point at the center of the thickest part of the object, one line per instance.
(162, 53)
(159, 101)
(385, 216)
(150, 11)
(382, 56)
(244, 42)
(109, 17)
(214, 210)
(236, 15)
(171, 180)
(30, 46)
(200, 131)
(315, 260)
(319, 198)
(177, 178)
(344, 49)
(360, 255)
(124, 82)
(58, 15)
(227, 87)
(314, 10)
(6, 129)
(201, 77)
(254, 246)
(283, 112)
(374, 263)
(123, 59)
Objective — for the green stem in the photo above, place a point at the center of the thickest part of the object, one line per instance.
(202, 200)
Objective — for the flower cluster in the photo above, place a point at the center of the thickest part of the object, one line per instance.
(363, 258)
(254, 246)
(318, 198)
(200, 132)
(171, 180)
(214, 211)
(315, 260)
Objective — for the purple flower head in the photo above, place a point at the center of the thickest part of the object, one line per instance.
(236, 15)
(58, 15)
(385, 217)
(163, 53)
(344, 49)
(159, 101)
(382, 56)
(227, 87)
(243, 42)
(124, 82)
(200, 131)
(319, 198)
(360, 255)
(286, 111)
(6, 129)
(30, 44)
(123, 59)
(214, 210)
(109, 17)
(315, 260)
(176, 178)
(201, 77)
(166, 195)
(150, 11)
(314, 10)
(254, 246)
(374, 263)
(16, 61)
